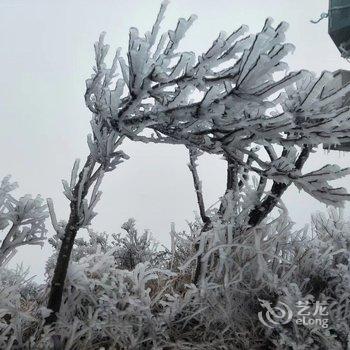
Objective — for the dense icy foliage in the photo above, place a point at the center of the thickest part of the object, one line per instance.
(238, 260)
(109, 305)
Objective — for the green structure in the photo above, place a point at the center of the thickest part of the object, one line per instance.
(339, 31)
(339, 25)
(341, 78)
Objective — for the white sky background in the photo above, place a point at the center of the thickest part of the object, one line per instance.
(46, 55)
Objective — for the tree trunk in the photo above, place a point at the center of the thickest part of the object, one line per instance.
(200, 200)
(72, 227)
(198, 270)
(260, 212)
(60, 273)
(231, 182)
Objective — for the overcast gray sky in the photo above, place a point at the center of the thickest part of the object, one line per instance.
(46, 55)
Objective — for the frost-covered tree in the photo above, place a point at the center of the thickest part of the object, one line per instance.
(237, 100)
(22, 221)
(103, 158)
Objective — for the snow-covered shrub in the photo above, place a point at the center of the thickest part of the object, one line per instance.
(19, 300)
(132, 248)
(107, 305)
(242, 265)
(270, 262)
(108, 292)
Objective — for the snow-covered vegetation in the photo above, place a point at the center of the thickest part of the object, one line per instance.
(125, 292)
(210, 287)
